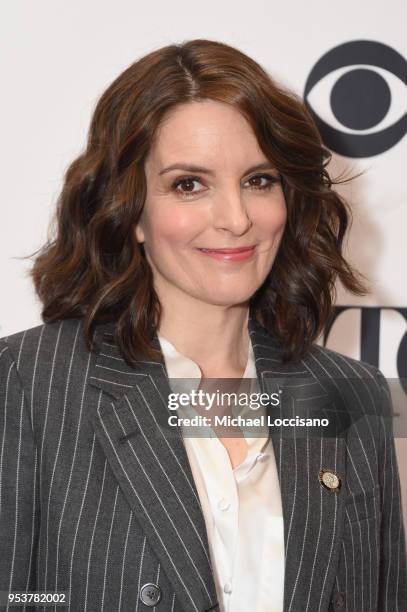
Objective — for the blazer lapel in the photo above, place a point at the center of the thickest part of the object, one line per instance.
(313, 515)
(151, 465)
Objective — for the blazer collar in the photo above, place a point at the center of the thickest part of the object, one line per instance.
(152, 467)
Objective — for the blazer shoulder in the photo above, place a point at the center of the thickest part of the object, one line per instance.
(360, 377)
(45, 345)
(47, 332)
(340, 363)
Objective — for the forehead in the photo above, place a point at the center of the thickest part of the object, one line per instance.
(204, 131)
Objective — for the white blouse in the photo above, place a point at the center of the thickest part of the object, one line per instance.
(241, 507)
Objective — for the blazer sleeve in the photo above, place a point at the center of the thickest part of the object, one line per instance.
(393, 573)
(19, 507)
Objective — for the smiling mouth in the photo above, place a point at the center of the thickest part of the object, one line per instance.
(226, 251)
(232, 254)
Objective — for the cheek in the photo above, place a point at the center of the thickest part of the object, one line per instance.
(271, 219)
(175, 227)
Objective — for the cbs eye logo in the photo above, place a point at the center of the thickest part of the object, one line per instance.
(366, 111)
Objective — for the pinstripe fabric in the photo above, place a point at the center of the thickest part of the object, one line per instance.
(97, 499)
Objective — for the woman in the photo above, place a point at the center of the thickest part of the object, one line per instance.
(198, 236)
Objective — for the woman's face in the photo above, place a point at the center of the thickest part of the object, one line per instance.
(214, 212)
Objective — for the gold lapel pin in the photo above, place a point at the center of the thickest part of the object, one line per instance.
(330, 480)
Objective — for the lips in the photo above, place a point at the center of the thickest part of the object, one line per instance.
(236, 250)
(229, 254)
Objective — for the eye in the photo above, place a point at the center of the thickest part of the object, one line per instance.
(262, 181)
(185, 185)
(355, 93)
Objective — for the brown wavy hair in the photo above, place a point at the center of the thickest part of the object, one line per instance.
(95, 269)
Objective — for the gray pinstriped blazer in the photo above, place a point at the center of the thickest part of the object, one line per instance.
(97, 501)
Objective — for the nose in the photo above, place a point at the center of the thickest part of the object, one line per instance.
(230, 213)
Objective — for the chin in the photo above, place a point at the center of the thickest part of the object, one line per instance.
(227, 299)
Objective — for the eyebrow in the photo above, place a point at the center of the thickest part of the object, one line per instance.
(193, 168)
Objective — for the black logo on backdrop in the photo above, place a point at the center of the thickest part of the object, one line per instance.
(370, 336)
(360, 99)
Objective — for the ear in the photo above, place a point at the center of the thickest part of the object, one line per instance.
(139, 233)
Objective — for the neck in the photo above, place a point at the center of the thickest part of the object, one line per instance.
(215, 337)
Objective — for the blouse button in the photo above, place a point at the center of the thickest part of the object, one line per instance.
(223, 504)
(227, 587)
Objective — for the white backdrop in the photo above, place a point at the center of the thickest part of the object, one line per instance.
(58, 57)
